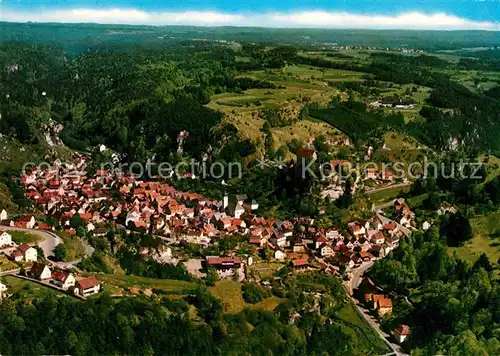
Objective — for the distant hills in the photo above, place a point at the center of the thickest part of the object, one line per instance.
(82, 37)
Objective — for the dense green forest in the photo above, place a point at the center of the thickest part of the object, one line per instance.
(162, 326)
(81, 37)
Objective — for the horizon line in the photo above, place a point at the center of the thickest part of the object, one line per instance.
(313, 19)
(250, 27)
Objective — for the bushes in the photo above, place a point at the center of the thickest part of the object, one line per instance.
(252, 293)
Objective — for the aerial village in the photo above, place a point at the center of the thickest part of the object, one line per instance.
(156, 208)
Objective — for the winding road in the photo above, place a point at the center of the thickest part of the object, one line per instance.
(49, 241)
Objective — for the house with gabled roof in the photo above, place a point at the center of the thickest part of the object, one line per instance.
(29, 254)
(401, 333)
(63, 279)
(302, 263)
(87, 286)
(40, 271)
(325, 250)
(26, 222)
(5, 238)
(378, 238)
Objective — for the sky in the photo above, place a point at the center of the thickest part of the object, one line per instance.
(376, 14)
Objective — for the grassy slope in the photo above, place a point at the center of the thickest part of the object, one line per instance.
(124, 281)
(6, 264)
(482, 227)
(27, 290)
(387, 195)
(299, 81)
(367, 341)
(74, 247)
(229, 292)
(21, 237)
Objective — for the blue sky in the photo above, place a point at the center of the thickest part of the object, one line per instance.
(438, 14)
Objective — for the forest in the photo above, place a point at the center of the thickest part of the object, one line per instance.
(166, 326)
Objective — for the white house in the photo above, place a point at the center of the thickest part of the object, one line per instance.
(405, 221)
(90, 227)
(326, 250)
(29, 253)
(64, 280)
(40, 271)
(401, 333)
(3, 215)
(426, 226)
(87, 286)
(378, 238)
(238, 210)
(332, 234)
(5, 239)
(27, 222)
(3, 290)
(279, 255)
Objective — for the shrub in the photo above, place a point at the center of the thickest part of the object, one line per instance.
(252, 293)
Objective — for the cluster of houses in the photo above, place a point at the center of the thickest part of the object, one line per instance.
(374, 174)
(375, 299)
(158, 208)
(17, 253)
(24, 221)
(394, 103)
(150, 207)
(65, 280)
(404, 215)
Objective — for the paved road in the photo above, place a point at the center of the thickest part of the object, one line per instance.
(49, 242)
(355, 280)
(374, 323)
(357, 275)
(377, 209)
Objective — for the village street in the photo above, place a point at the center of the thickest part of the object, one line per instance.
(356, 276)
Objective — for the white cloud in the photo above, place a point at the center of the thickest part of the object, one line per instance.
(312, 19)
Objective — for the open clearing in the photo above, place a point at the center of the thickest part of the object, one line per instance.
(483, 228)
(167, 285)
(229, 293)
(299, 85)
(26, 290)
(22, 237)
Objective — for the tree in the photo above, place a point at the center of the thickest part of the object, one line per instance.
(76, 221)
(60, 252)
(457, 229)
(252, 293)
(483, 262)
